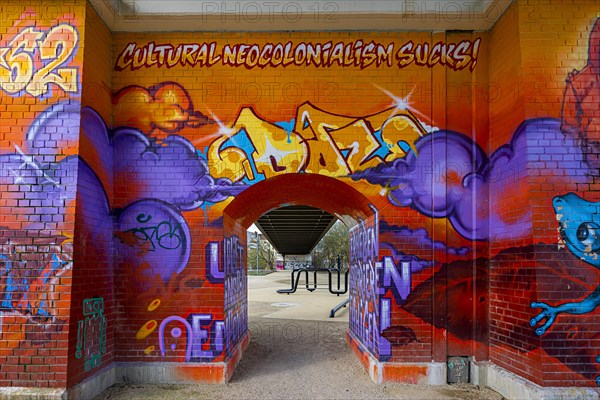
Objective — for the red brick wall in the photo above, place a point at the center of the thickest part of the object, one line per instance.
(93, 274)
(545, 43)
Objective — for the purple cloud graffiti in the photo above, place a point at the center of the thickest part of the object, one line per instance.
(452, 177)
(37, 190)
(41, 186)
(171, 171)
(416, 264)
(149, 220)
(155, 181)
(420, 237)
(58, 124)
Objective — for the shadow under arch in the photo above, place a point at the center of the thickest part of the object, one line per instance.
(349, 205)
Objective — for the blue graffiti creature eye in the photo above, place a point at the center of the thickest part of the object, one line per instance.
(587, 234)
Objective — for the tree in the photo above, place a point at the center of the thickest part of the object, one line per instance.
(332, 245)
(266, 253)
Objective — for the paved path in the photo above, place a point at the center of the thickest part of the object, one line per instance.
(297, 358)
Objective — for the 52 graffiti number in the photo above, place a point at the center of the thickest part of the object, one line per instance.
(34, 59)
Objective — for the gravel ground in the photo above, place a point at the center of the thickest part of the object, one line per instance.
(296, 359)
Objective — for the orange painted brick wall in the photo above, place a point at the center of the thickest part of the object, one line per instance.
(97, 189)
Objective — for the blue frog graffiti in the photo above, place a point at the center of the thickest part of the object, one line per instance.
(579, 227)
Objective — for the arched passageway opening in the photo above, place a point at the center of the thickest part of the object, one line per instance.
(325, 193)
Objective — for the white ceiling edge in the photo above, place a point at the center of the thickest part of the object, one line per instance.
(300, 15)
(200, 7)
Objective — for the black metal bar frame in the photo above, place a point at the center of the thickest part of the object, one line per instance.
(337, 308)
(296, 279)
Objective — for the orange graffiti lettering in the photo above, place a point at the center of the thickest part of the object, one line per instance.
(320, 143)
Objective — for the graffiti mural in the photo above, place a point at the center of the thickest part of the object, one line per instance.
(313, 142)
(578, 226)
(364, 311)
(357, 53)
(159, 110)
(91, 334)
(457, 185)
(135, 187)
(38, 183)
(35, 60)
(203, 340)
(30, 290)
(151, 231)
(580, 109)
(297, 261)
(236, 292)
(144, 164)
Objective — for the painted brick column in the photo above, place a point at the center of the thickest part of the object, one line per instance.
(93, 315)
(41, 60)
(543, 289)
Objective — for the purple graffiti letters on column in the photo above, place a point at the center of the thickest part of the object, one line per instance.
(176, 333)
(203, 337)
(213, 273)
(385, 315)
(207, 337)
(400, 277)
(236, 289)
(364, 305)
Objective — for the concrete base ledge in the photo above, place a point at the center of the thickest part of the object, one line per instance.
(482, 373)
(137, 372)
(433, 373)
(515, 387)
(95, 384)
(32, 393)
(170, 372)
(508, 384)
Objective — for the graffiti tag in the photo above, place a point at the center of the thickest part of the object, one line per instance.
(28, 288)
(203, 340)
(314, 142)
(35, 59)
(163, 234)
(91, 333)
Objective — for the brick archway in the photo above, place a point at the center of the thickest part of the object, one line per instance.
(329, 194)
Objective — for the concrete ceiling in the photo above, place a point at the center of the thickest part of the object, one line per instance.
(299, 15)
(295, 229)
